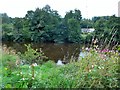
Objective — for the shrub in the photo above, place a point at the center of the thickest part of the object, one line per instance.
(32, 56)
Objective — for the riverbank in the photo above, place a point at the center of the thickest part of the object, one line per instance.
(96, 70)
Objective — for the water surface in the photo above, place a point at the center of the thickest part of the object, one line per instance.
(52, 51)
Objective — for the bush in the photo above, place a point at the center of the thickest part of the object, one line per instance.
(32, 56)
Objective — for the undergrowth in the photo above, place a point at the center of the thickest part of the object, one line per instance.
(98, 69)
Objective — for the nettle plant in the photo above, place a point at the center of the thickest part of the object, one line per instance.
(31, 56)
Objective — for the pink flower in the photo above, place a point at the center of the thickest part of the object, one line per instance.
(105, 50)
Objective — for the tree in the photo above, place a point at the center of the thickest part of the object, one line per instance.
(72, 22)
(5, 18)
(107, 29)
(86, 23)
(73, 30)
(7, 27)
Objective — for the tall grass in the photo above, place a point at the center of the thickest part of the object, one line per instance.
(98, 69)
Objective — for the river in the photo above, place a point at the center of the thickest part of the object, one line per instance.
(51, 50)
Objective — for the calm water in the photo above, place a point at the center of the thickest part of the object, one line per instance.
(51, 50)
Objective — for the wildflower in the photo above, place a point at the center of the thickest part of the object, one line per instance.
(102, 67)
(20, 72)
(92, 66)
(34, 64)
(86, 48)
(89, 70)
(105, 50)
(111, 51)
(33, 78)
(99, 67)
(23, 79)
(102, 56)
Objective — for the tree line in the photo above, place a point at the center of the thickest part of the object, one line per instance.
(46, 25)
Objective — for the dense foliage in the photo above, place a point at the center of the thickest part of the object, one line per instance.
(98, 69)
(46, 25)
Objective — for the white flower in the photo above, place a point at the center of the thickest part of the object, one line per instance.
(99, 67)
(20, 72)
(86, 48)
(89, 70)
(92, 66)
(33, 78)
(34, 64)
(23, 78)
(102, 67)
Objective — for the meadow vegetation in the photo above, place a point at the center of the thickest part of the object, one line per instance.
(98, 69)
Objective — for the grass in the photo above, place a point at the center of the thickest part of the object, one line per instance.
(98, 69)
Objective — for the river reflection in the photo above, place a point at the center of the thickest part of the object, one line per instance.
(52, 51)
